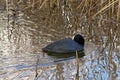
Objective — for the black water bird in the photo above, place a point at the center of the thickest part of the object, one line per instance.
(66, 45)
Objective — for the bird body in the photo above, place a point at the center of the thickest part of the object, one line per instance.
(66, 45)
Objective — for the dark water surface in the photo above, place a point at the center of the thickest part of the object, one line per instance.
(26, 34)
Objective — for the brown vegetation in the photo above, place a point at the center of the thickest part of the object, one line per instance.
(95, 17)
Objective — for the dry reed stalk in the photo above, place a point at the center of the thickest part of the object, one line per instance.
(77, 62)
(80, 5)
(113, 8)
(6, 5)
(77, 65)
(109, 10)
(101, 16)
(31, 5)
(118, 14)
(7, 8)
(43, 4)
(58, 4)
(105, 8)
(101, 6)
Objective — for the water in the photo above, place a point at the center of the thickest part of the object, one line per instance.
(26, 34)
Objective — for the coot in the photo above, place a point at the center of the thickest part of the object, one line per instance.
(66, 45)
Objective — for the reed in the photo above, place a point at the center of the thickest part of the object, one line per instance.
(6, 1)
(92, 15)
(118, 14)
(89, 8)
(77, 63)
